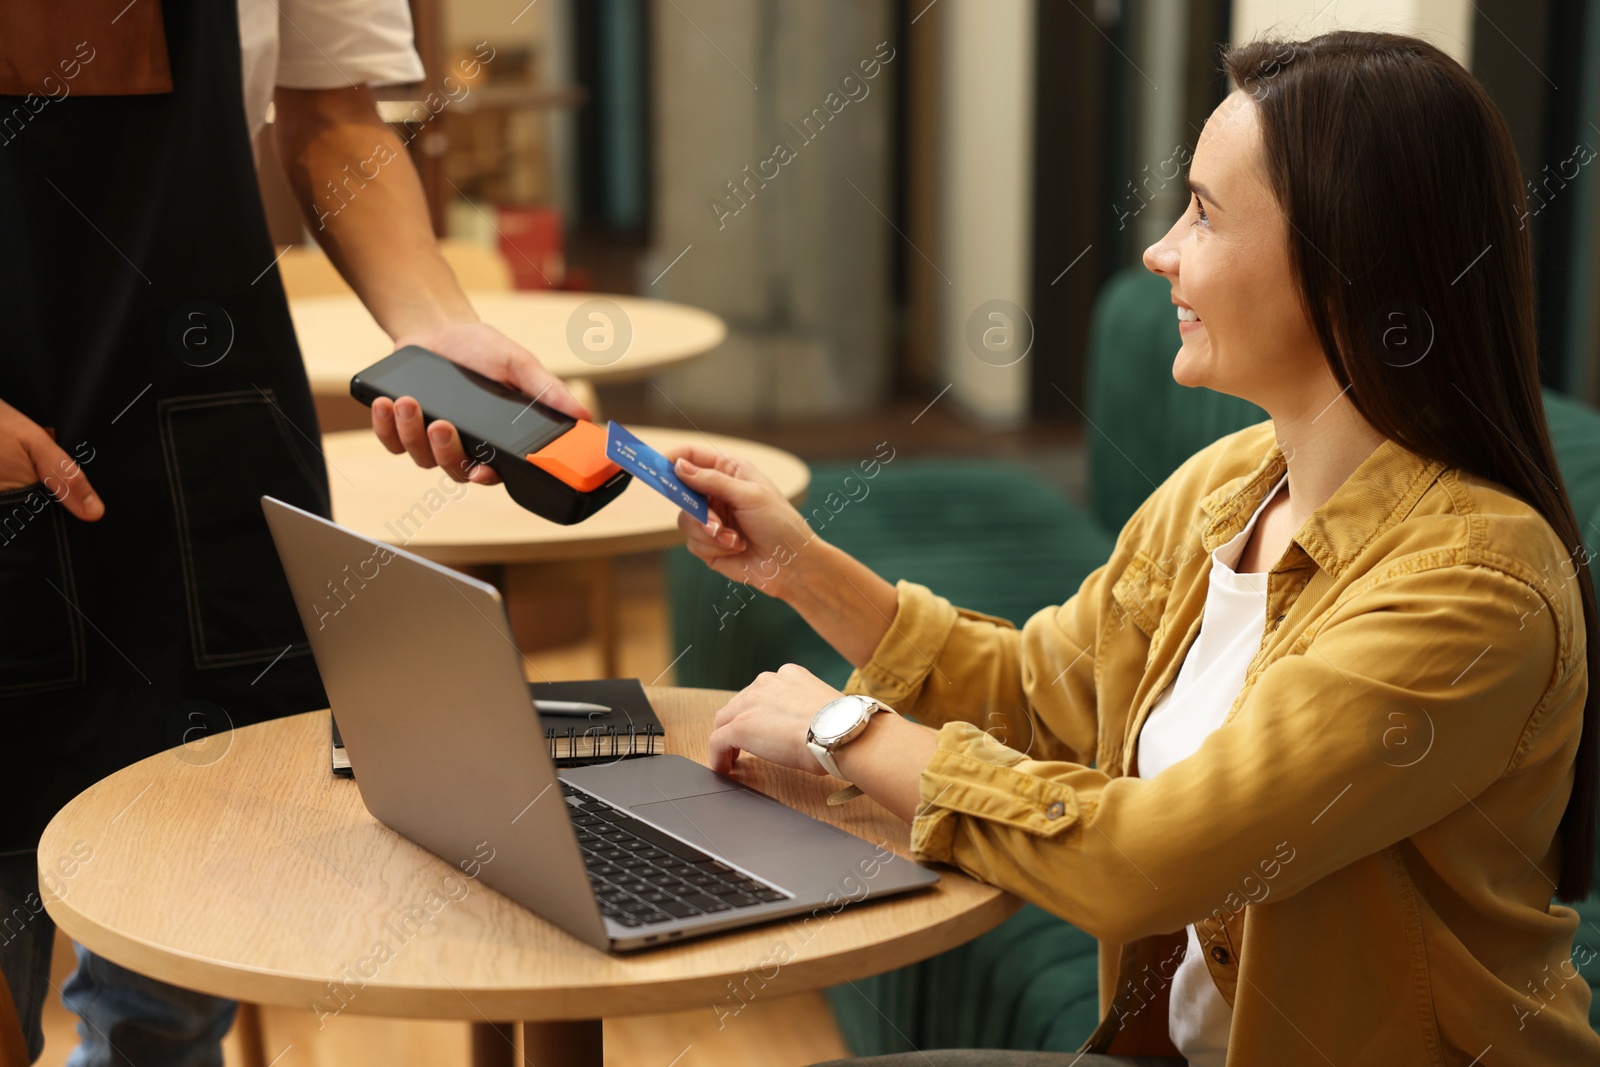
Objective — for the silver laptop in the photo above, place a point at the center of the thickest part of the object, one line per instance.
(426, 682)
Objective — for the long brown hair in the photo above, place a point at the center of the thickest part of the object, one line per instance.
(1400, 183)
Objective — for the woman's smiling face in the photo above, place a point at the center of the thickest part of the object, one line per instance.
(1243, 328)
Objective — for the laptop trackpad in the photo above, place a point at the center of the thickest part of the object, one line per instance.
(642, 781)
(755, 832)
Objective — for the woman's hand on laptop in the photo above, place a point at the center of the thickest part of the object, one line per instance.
(770, 718)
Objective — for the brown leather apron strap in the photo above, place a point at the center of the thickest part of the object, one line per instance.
(49, 51)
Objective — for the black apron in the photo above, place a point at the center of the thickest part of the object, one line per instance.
(142, 318)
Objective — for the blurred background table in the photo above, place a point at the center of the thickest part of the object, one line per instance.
(631, 339)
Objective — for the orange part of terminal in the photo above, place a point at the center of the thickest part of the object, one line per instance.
(577, 457)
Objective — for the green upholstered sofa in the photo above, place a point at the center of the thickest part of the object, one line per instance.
(992, 537)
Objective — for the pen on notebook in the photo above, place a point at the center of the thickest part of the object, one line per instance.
(568, 707)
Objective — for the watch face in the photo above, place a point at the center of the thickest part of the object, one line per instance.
(837, 717)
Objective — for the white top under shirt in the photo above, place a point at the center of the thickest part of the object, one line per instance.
(322, 44)
(1197, 701)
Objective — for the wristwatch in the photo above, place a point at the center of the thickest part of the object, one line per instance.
(838, 723)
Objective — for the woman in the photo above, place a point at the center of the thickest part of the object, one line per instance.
(1326, 824)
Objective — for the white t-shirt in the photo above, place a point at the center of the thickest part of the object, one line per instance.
(1194, 704)
(322, 44)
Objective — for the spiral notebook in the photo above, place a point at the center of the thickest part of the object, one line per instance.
(630, 729)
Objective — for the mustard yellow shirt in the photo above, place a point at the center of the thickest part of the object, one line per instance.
(1368, 842)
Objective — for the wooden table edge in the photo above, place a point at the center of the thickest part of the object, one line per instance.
(326, 385)
(761, 978)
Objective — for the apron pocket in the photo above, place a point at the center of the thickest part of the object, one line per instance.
(41, 632)
(223, 452)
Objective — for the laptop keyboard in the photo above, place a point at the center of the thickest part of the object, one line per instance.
(642, 876)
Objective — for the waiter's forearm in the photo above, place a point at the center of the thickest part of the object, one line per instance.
(364, 204)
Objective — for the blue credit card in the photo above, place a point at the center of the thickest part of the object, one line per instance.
(654, 469)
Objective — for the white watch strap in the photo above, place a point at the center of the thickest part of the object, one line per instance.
(825, 758)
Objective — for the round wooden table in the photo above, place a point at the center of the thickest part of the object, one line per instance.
(591, 336)
(389, 498)
(242, 868)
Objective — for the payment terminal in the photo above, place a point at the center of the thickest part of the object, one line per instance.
(552, 464)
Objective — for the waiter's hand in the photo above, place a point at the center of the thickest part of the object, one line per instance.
(29, 455)
(382, 242)
(480, 347)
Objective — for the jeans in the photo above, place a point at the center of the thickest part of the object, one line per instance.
(26, 937)
(124, 1018)
(128, 1020)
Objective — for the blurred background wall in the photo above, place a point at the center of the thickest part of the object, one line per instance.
(936, 230)
(773, 165)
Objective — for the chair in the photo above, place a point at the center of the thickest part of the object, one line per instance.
(990, 535)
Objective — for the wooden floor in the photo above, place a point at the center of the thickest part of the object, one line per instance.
(779, 1032)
